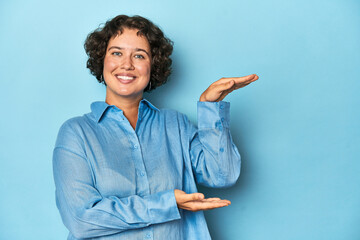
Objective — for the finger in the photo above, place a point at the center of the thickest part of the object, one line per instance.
(240, 82)
(224, 86)
(211, 199)
(214, 92)
(217, 201)
(250, 77)
(249, 80)
(241, 85)
(234, 87)
(221, 202)
(210, 205)
(192, 197)
(230, 89)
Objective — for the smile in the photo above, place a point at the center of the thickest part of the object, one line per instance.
(125, 77)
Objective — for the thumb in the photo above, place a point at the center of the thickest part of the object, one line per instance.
(193, 197)
(225, 86)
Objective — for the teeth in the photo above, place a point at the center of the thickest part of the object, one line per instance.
(125, 77)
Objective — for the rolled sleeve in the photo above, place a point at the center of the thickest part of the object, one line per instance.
(213, 114)
(214, 157)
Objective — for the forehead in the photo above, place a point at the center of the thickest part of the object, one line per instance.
(129, 38)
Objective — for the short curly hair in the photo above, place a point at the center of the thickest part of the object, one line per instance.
(161, 47)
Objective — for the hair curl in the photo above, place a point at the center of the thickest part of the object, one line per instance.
(161, 47)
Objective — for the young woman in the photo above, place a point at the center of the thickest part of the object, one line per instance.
(128, 170)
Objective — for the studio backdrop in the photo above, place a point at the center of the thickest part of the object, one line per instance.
(297, 128)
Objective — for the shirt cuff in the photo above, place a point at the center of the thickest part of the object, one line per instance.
(213, 114)
(162, 207)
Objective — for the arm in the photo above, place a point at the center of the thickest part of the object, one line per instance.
(214, 157)
(85, 212)
(215, 160)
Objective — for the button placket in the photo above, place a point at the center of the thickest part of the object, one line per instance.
(218, 125)
(142, 183)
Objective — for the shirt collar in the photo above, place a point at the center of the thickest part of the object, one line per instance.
(149, 104)
(99, 108)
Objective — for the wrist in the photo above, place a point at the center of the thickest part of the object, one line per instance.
(203, 99)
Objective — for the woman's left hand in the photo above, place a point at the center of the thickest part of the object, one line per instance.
(218, 90)
(196, 201)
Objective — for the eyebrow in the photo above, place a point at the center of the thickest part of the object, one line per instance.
(136, 49)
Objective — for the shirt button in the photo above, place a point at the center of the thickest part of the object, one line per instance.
(221, 150)
(222, 119)
(148, 235)
(221, 106)
(142, 174)
(135, 146)
(218, 125)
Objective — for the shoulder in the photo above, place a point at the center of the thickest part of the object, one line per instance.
(71, 130)
(74, 124)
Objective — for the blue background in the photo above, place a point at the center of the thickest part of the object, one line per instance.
(297, 127)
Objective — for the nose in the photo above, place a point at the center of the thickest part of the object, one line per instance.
(127, 63)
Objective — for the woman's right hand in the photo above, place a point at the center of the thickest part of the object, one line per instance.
(218, 90)
(197, 202)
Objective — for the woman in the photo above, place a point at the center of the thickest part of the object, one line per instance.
(128, 170)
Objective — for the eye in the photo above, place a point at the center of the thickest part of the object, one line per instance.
(139, 56)
(116, 53)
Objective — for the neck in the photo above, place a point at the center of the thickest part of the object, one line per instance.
(129, 106)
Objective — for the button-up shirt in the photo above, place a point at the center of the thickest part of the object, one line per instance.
(114, 182)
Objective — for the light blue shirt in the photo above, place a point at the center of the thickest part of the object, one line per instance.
(114, 182)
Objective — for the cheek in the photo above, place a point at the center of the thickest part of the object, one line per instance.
(109, 64)
(145, 69)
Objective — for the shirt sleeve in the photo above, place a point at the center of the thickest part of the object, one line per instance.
(214, 157)
(85, 212)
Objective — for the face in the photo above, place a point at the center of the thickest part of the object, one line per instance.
(127, 66)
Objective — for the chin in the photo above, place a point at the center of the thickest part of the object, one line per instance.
(129, 93)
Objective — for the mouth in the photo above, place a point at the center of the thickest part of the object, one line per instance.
(125, 79)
